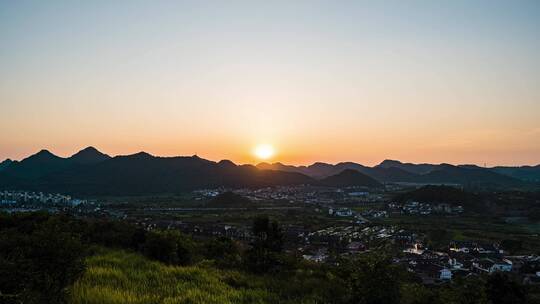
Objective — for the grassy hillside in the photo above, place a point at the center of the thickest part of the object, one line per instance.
(123, 277)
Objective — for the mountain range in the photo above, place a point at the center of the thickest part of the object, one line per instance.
(91, 172)
(396, 171)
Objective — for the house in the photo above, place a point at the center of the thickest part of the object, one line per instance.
(358, 193)
(460, 260)
(493, 265)
(443, 208)
(356, 247)
(430, 273)
(455, 263)
(501, 265)
(319, 256)
(486, 248)
(445, 274)
(460, 246)
(344, 212)
(416, 248)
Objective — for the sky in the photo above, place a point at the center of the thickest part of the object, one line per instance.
(419, 81)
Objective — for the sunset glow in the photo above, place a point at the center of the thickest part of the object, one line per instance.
(264, 151)
(213, 78)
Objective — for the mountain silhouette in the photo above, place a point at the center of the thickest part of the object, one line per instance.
(37, 165)
(138, 174)
(44, 163)
(6, 163)
(322, 170)
(396, 171)
(350, 178)
(526, 173)
(91, 172)
(443, 194)
(89, 155)
(467, 175)
(412, 168)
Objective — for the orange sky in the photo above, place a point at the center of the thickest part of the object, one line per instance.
(320, 81)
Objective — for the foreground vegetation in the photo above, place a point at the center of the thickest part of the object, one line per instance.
(123, 277)
(60, 259)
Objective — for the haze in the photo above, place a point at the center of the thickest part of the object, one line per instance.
(418, 81)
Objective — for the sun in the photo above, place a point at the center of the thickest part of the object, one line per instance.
(264, 151)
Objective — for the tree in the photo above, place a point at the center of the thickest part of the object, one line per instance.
(169, 246)
(501, 290)
(471, 290)
(185, 248)
(160, 246)
(224, 251)
(266, 247)
(113, 234)
(414, 293)
(268, 234)
(39, 260)
(371, 279)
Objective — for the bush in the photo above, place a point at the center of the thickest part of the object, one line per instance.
(171, 247)
(39, 258)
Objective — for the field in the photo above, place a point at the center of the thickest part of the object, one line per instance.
(117, 276)
(123, 277)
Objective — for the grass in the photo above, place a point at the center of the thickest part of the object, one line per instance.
(124, 277)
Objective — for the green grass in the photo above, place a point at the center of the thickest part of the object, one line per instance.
(124, 277)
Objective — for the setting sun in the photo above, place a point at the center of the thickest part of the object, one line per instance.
(264, 151)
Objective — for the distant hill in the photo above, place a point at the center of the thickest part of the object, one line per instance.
(137, 174)
(389, 175)
(6, 163)
(322, 170)
(395, 171)
(91, 172)
(230, 200)
(87, 156)
(442, 194)
(436, 194)
(44, 163)
(350, 178)
(526, 173)
(317, 170)
(467, 176)
(411, 168)
(37, 165)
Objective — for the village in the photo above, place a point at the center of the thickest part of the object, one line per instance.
(348, 224)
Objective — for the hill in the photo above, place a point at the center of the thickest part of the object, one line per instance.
(88, 155)
(321, 170)
(44, 163)
(317, 170)
(37, 165)
(442, 194)
(90, 172)
(395, 171)
(525, 173)
(350, 178)
(6, 163)
(411, 168)
(468, 176)
(138, 174)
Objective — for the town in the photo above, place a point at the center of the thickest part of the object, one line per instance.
(342, 222)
